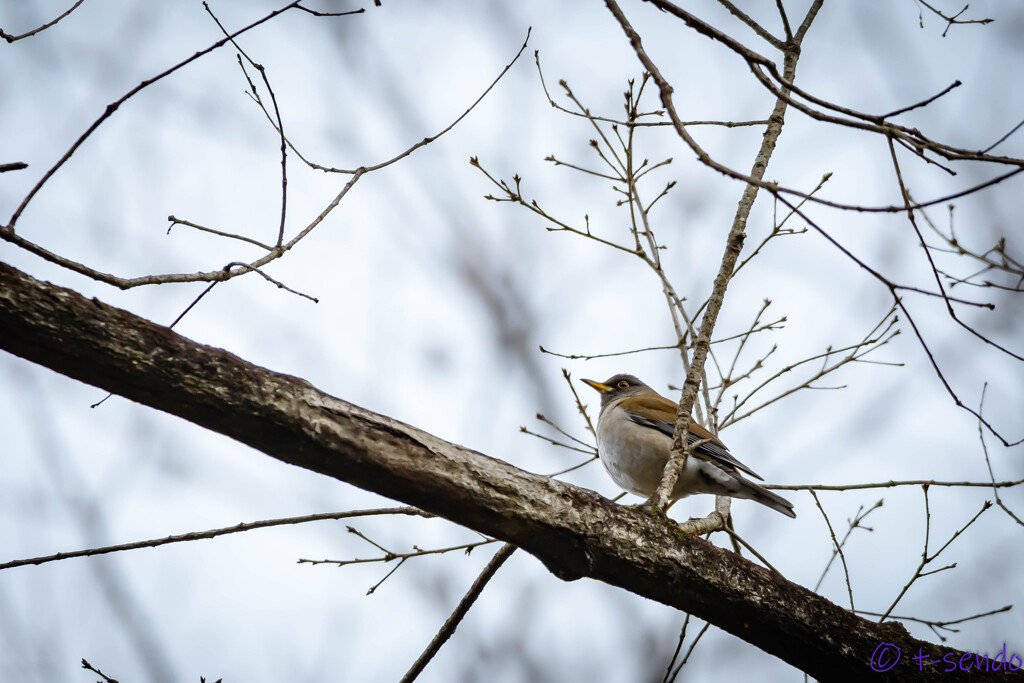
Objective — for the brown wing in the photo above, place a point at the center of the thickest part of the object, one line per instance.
(657, 412)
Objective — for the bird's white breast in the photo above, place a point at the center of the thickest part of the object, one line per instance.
(635, 458)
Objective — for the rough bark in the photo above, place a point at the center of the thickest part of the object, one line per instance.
(573, 531)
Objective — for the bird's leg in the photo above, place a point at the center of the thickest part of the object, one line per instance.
(649, 505)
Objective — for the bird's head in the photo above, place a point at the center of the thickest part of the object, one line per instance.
(616, 387)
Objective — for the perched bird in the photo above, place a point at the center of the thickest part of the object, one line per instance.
(634, 437)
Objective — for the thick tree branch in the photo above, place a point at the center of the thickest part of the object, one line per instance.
(574, 532)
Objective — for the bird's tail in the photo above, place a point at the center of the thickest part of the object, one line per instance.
(751, 491)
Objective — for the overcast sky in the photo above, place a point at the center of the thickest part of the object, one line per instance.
(432, 305)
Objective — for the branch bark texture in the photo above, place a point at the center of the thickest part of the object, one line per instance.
(575, 532)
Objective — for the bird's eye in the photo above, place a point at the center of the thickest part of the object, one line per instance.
(623, 384)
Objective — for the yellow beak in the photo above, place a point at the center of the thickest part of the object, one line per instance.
(602, 388)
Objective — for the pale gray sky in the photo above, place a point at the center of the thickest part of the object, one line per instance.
(433, 302)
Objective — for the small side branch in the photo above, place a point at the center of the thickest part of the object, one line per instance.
(459, 613)
(10, 39)
(213, 533)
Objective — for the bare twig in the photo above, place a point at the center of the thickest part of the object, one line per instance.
(613, 354)
(112, 107)
(922, 103)
(925, 557)
(89, 667)
(564, 433)
(425, 141)
(213, 533)
(931, 262)
(8, 233)
(838, 548)
(316, 13)
(575, 467)
(670, 678)
(831, 359)
(756, 27)
(556, 442)
(950, 21)
(893, 484)
(178, 221)
(10, 39)
(277, 116)
(942, 625)
(988, 463)
(739, 539)
(855, 523)
(782, 87)
(456, 617)
(913, 324)
(390, 556)
(278, 283)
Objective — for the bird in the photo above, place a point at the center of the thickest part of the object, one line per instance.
(634, 438)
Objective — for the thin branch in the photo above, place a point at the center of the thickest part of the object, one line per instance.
(574, 467)
(316, 13)
(192, 305)
(945, 625)
(613, 354)
(515, 196)
(587, 171)
(113, 106)
(1004, 264)
(7, 232)
(893, 484)
(774, 325)
(913, 324)
(777, 228)
(10, 39)
(277, 116)
(730, 378)
(855, 523)
(689, 651)
(785, 20)
(390, 556)
(838, 548)
(931, 262)
(953, 20)
(632, 123)
(925, 557)
(178, 221)
(424, 141)
(739, 539)
(679, 647)
(988, 462)
(266, 277)
(872, 341)
(868, 122)
(456, 617)
(564, 433)
(555, 442)
(922, 103)
(756, 27)
(89, 667)
(213, 533)
(1004, 138)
